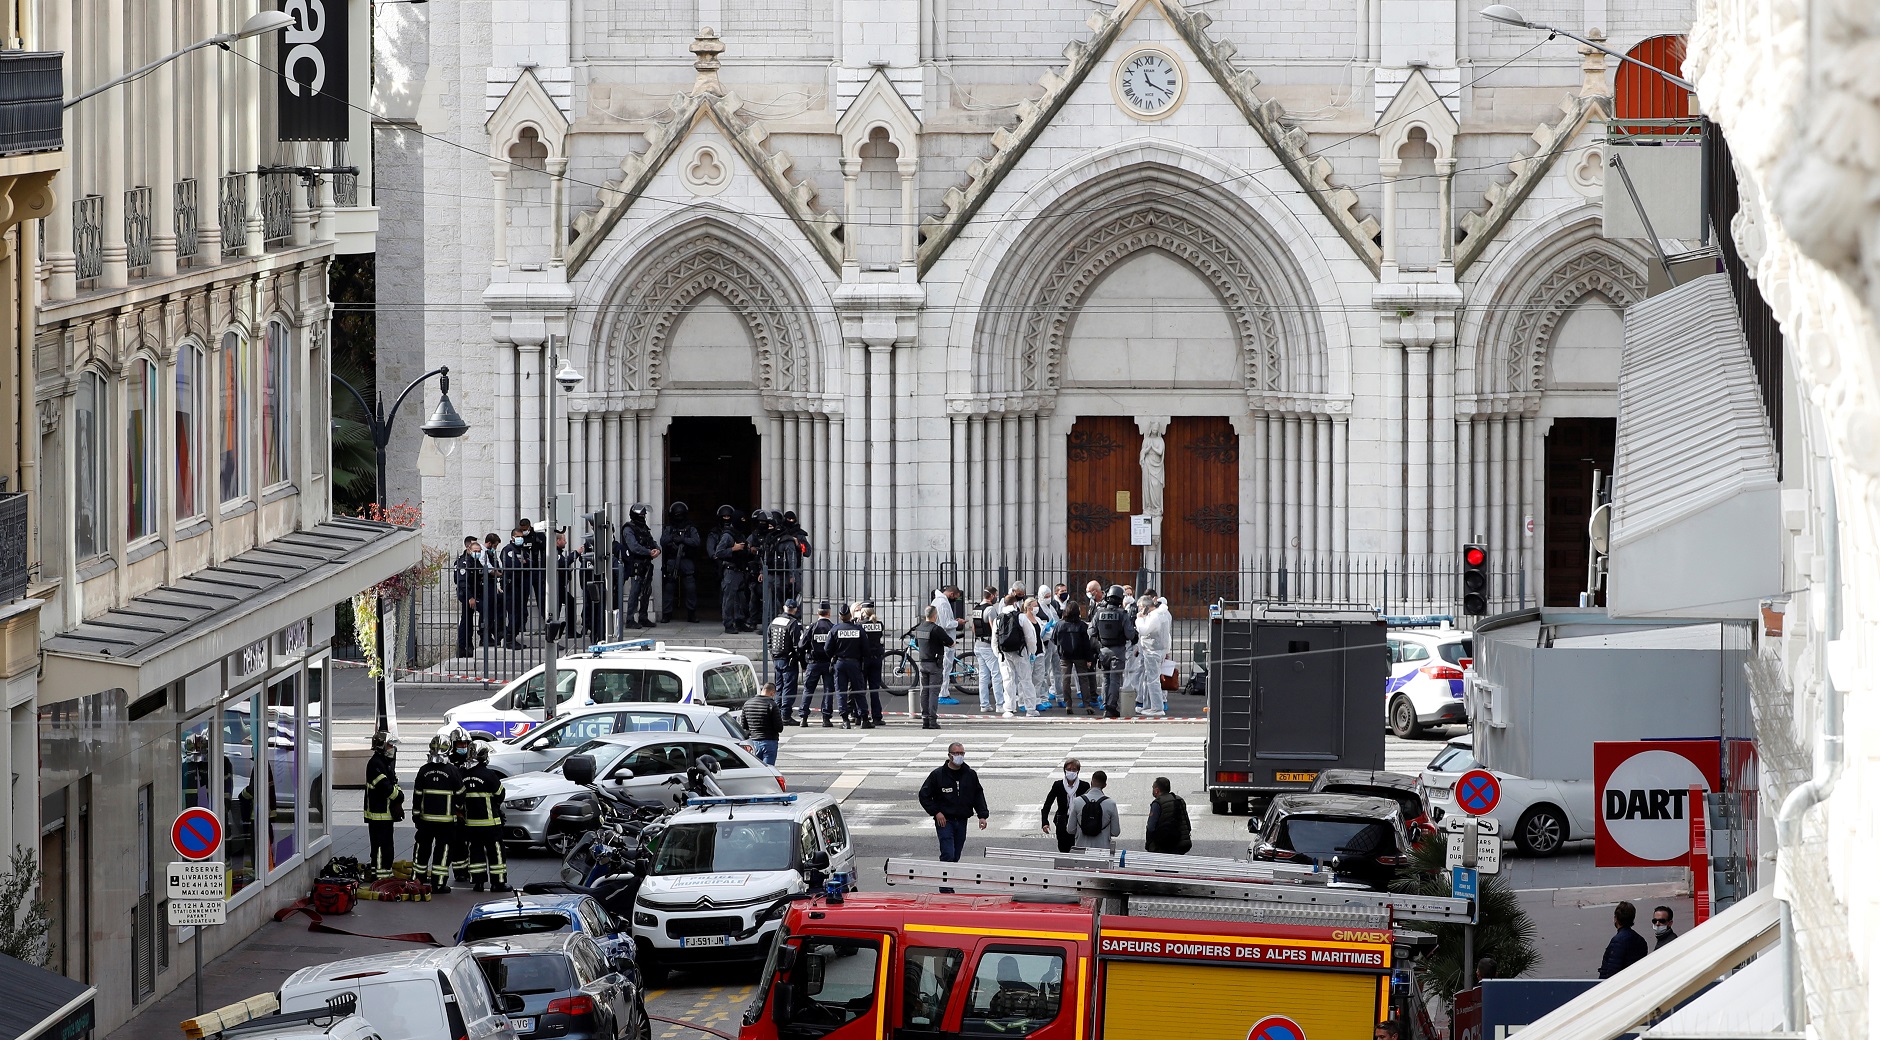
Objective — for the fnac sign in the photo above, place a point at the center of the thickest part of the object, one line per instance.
(1642, 817)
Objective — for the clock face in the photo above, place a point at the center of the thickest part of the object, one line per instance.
(1148, 83)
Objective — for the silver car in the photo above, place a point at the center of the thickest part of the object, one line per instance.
(638, 763)
(549, 742)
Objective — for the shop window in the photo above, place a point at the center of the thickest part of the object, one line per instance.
(286, 758)
(276, 406)
(198, 776)
(190, 413)
(245, 785)
(316, 762)
(140, 450)
(233, 387)
(90, 452)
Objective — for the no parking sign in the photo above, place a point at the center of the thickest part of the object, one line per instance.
(1276, 1027)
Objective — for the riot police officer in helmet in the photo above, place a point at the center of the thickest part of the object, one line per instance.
(679, 544)
(637, 549)
(728, 549)
(1114, 631)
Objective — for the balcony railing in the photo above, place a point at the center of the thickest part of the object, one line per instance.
(277, 206)
(137, 230)
(12, 545)
(88, 236)
(187, 232)
(32, 95)
(234, 214)
(345, 190)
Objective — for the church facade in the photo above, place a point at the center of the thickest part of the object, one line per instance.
(995, 277)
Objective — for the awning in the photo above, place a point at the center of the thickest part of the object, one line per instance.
(1748, 1003)
(1667, 977)
(42, 1005)
(175, 630)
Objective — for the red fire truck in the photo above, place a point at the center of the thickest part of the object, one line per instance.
(1097, 946)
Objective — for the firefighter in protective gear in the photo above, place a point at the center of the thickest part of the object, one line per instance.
(462, 756)
(483, 821)
(385, 802)
(440, 793)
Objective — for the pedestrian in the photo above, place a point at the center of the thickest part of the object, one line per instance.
(784, 641)
(1017, 637)
(1627, 947)
(874, 655)
(483, 797)
(637, 549)
(469, 577)
(1661, 926)
(1385, 1031)
(678, 563)
(1169, 829)
(495, 618)
(1098, 822)
(1114, 631)
(1093, 597)
(1486, 968)
(933, 642)
(818, 666)
(946, 605)
(1078, 653)
(1060, 599)
(727, 549)
(763, 723)
(1154, 633)
(385, 803)
(1054, 816)
(991, 683)
(950, 795)
(440, 789)
(1044, 664)
(847, 650)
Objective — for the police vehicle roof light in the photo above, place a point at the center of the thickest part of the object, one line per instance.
(1419, 620)
(631, 644)
(740, 799)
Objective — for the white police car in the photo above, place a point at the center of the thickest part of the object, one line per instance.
(643, 671)
(1428, 674)
(722, 862)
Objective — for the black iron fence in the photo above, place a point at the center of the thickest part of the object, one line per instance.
(14, 571)
(493, 626)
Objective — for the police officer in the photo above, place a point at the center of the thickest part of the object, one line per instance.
(727, 548)
(784, 641)
(762, 540)
(566, 620)
(679, 547)
(385, 802)
(849, 648)
(1114, 630)
(483, 796)
(440, 790)
(463, 759)
(874, 652)
(798, 540)
(637, 549)
(469, 579)
(814, 649)
(991, 683)
(521, 576)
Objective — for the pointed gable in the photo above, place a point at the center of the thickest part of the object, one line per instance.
(1417, 106)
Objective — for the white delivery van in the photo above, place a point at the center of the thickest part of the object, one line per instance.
(413, 995)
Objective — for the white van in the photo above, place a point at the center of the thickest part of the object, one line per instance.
(413, 995)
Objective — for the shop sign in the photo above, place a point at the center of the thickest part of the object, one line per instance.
(295, 638)
(1643, 791)
(1246, 950)
(252, 658)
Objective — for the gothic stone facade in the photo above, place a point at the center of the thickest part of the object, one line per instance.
(989, 275)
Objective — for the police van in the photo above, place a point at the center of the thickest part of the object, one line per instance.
(641, 671)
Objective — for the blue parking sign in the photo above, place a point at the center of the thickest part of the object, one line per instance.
(1464, 882)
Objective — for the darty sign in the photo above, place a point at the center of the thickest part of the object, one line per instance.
(1246, 950)
(1644, 809)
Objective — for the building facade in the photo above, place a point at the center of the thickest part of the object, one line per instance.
(991, 278)
(188, 560)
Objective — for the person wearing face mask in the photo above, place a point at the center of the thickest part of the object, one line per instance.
(950, 795)
(1055, 813)
(1661, 926)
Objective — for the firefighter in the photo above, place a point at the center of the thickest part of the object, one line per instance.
(385, 802)
(483, 820)
(463, 758)
(440, 790)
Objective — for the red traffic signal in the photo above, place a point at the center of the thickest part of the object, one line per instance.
(1475, 580)
(1474, 556)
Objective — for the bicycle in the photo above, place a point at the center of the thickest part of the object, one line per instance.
(900, 671)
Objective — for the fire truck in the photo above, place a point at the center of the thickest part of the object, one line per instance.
(1098, 946)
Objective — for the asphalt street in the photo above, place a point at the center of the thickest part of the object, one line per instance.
(877, 774)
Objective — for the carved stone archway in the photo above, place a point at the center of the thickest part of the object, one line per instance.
(1511, 353)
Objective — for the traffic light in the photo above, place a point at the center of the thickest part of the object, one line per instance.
(1475, 580)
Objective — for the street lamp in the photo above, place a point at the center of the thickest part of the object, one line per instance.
(445, 427)
(1509, 16)
(262, 22)
(569, 379)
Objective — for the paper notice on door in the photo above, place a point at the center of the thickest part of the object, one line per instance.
(1141, 531)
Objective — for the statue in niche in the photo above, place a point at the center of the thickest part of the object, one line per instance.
(1153, 477)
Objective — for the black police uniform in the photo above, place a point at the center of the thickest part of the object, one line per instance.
(727, 548)
(440, 788)
(385, 805)
(678, 563)
(567, 620)
(817, 668)
(784, 641)
(483, 796)
(874, 652)
(520, 577)
(796, 552)
(1114, 630)
(635, 549)
(469, 578)
(849, 648)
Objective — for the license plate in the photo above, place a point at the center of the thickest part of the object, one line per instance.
(705, 940)
(523, 1025)
(1295, 778)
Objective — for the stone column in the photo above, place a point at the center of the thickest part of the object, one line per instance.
(56, 34)
(1247, 430)
(1388, 169)
(1417, 447)
(851, 169)
(558, 220)
(910, 216)
(960, 484)
(161, 139)
(1445, 212)
(113, 158)
(881, 446)
(499, 214)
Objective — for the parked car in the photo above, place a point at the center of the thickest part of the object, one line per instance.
(544, 745)
(1539, 816)
(639, 763)
(643, 671)
(1362, 839)
(722, 863)
(569, 989)
(1428, 674)
(1378, 783)
(545, 914)
(409, 995)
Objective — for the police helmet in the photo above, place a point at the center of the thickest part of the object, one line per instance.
(678, 510)
(727, 512)
(1114, 597)
(822, 607)
(789, 516)
(790, 605)
(760, 516)
(638, 511)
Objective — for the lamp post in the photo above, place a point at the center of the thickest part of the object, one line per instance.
(551, 647)
(262, 22)
(446, 427)
(1509, 16)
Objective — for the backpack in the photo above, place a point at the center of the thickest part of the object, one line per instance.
(1090, 818)
(1009, 635)
(333, 895)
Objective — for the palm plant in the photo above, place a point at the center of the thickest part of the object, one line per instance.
(355, 465)
(1505, 931)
